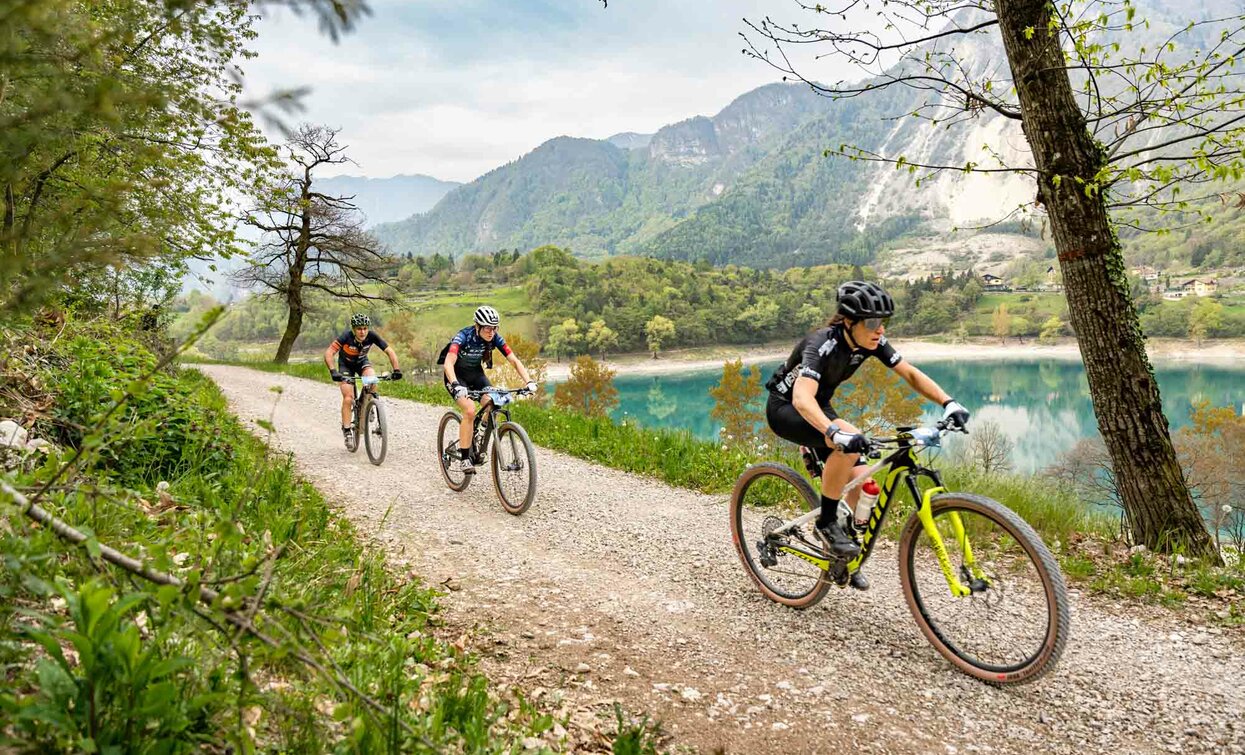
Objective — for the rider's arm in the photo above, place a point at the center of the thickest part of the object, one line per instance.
(330, 353)
(804, 398)
(393, 356)
(450, 358)
(921, 383)
(514, 360)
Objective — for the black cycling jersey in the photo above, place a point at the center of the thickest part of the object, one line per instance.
(826, 356)
(352, 351)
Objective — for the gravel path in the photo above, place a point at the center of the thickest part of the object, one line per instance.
(617, 587)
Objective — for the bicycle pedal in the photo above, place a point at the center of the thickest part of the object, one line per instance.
(838, 572)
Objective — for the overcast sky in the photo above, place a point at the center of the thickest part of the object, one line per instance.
(454, 88)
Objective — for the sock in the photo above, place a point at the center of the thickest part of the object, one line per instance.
(829, 510)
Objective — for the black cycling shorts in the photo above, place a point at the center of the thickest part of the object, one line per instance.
(476, 381)
(787, 423)
(352, 366)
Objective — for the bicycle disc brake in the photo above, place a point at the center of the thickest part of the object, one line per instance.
(988, 587)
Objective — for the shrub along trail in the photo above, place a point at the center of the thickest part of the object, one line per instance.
(617, 587)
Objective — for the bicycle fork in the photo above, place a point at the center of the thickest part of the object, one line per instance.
(978, 582)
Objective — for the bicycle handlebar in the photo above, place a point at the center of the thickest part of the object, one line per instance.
(477, 395)
(356, 378)
(941, 427)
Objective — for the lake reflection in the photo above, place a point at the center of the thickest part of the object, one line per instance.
(1042, 406)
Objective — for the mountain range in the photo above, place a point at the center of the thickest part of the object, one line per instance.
(385, 200)
(753, 185)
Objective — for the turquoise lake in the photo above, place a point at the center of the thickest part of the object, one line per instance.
(1043, 406)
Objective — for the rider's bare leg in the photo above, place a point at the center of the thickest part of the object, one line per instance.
(468, 408)
(347, 401)
(840, 468)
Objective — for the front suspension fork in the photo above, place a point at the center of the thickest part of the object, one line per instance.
(925, 514)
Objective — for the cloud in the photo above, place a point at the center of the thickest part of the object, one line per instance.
(454, 88)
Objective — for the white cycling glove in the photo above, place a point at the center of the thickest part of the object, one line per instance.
(954, 414)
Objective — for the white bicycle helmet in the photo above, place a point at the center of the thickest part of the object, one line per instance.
(488, 317)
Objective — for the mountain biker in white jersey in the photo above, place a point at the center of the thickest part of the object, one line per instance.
(465, 358)
(799, 407)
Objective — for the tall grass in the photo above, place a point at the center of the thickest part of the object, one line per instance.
(235, 516)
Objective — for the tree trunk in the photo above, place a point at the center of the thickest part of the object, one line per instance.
(294, 290)
(1160, 510)
(10, 215)
(293, 323)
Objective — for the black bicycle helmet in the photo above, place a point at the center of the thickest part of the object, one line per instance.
(360, 320)
(861, 299)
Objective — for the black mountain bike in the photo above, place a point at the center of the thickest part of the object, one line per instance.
(982, 586)
(513, 461)
(369, 415)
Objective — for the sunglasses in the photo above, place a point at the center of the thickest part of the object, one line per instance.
(873, 323)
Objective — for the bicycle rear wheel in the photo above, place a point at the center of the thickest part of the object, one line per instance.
(447, 451)
(766, 495)
(375, 431)
(514, 468)
(352, 444)
(1015, 624)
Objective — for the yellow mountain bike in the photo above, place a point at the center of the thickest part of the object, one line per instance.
(981, 585)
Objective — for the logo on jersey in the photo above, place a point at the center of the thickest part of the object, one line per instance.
(857, 359)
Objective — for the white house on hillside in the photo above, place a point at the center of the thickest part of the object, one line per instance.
(1194, 287)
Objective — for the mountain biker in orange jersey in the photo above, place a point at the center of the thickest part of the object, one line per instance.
(464, 358)
(799, 407)
(351, 348)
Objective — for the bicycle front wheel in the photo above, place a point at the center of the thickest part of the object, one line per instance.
(765, 496)
(1014, 624)
(514, 468)
(375, 431)
(447, 452)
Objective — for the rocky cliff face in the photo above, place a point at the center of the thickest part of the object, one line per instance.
(691, 142)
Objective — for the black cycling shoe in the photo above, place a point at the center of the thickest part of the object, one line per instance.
(859, 581)
(348, 434)
(839, 542)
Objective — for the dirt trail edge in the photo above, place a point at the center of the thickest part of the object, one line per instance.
(617, 587)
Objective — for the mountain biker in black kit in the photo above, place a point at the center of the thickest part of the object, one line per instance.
(799, 407)
(351, 349)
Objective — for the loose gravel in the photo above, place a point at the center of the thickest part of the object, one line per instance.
(615, 587)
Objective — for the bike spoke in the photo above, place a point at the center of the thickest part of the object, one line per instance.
(447, 452)
(1005, 623)
(764, 505)
(511, 468)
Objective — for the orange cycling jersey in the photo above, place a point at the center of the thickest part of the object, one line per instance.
(352, 349)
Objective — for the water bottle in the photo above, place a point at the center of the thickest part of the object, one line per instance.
(869, 493)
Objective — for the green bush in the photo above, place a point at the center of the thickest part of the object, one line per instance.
(167, 424)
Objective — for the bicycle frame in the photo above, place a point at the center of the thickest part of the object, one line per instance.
(499, 399)
(369, 387)
(901, 464)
